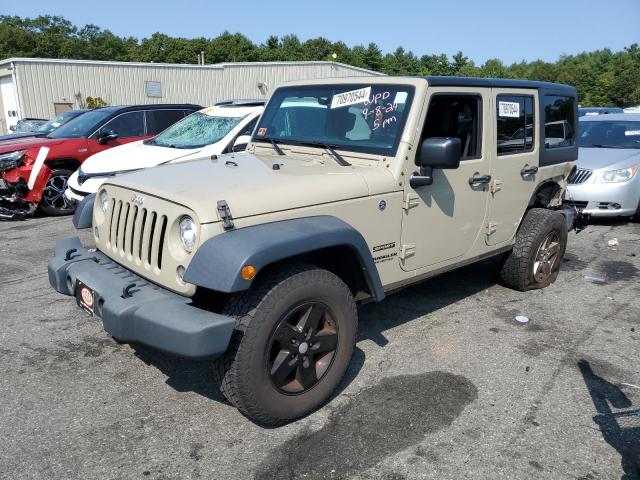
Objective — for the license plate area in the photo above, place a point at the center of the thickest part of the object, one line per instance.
(86, 298)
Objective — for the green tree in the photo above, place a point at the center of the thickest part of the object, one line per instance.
(602, 77)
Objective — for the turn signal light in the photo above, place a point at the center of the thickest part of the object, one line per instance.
(248, 272)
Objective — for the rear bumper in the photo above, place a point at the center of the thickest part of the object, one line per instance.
(151, 315)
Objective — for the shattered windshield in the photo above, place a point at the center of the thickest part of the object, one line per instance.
(357, 117)
(196, 131)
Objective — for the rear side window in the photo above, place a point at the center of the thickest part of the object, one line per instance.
(159, 120)
(130, 124)
(515, 124)
(559, 117)
(456, 116)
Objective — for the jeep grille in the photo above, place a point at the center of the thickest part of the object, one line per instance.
(136, 232)
(140, 232)
(581, 175)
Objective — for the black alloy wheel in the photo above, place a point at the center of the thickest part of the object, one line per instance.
(302, 348)
(54, 202)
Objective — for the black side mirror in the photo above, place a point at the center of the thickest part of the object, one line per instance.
(436, 152)
(105, 135)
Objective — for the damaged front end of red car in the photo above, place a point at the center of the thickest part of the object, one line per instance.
(22, 184)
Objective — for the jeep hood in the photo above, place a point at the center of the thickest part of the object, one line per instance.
(251, 186)
(132, 156)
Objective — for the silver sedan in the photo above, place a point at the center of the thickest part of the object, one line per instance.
(606, 182)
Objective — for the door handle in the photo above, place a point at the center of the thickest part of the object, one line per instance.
(527, 170)
(478, 179)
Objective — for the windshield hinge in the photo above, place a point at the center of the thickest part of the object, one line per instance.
(224, 212)
(410, 201)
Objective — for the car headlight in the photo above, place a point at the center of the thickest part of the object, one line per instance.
(188, 233)
(104, 201)
(617, 176)
(11, 160)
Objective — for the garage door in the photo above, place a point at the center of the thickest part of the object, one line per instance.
(10, 113)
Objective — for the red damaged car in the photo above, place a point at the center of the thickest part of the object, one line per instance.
(34, 170)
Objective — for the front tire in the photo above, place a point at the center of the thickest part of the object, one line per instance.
(54, 202)
(294, 337)
(537, 254)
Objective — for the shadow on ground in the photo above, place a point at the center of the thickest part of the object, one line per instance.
(378, 421)
(186, 375)
(621, 430)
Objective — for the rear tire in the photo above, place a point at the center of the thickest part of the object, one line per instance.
(276, 369)
(537, 254)
(53, 201)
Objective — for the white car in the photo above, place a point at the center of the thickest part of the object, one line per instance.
(223, 128)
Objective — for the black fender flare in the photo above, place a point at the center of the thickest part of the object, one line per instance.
(218, 261)
(83, 216)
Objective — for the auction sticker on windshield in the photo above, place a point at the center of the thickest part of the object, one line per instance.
(508, 109)
(352, 97)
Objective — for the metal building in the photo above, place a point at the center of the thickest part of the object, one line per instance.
(42, 88)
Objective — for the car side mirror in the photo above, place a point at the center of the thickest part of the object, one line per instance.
(105, 135)
(436, 152)
(12, 128)
(241, 143)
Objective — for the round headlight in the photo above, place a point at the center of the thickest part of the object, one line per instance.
(104, 201)
(188, 233)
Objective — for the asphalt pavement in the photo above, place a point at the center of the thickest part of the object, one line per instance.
(444, 383)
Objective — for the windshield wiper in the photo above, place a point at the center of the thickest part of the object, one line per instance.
(273, 142)
(601, 145)
(275, 146)
(341, 161)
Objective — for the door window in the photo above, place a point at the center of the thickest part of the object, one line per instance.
(456, 116)
(515, 128)
(130, 124)
(159, 120)
(559, 118)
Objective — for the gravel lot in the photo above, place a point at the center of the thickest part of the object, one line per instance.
(445, 384)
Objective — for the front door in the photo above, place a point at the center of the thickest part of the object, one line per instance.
(515, 161)
(442, 221)
(130, 127)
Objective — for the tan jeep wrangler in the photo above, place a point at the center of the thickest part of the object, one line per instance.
(349, 189)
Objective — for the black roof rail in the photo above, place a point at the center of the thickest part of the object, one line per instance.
(453, 81)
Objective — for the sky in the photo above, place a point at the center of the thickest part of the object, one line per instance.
(510, 30)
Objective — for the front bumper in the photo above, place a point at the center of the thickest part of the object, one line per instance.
(149, 315)
(12, 203)
(75, 192)
(607, 199)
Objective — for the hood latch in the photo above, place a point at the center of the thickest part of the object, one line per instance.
(224, 212)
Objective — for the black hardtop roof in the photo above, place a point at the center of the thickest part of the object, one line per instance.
(153, 106)
(498, 83)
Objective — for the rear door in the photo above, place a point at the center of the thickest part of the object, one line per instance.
(515, 160)
(442, 221)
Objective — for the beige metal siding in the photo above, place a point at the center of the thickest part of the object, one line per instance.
(43, 83)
